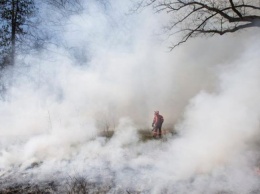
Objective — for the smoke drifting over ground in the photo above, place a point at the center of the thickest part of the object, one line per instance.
(207, 90)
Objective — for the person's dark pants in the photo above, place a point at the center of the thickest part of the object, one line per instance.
(157, 131)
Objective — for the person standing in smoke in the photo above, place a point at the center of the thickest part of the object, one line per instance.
(157, 124)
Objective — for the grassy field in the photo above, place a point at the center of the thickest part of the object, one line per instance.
(76, 185)
(144, 134)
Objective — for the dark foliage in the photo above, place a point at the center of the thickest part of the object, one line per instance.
(15, 18)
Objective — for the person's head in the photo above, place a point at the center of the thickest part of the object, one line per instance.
(156, 112)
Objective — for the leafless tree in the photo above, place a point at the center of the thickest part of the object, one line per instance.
(67, 6)
(193, 18)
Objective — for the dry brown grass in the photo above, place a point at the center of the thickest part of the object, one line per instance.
(77, 185)
(80, 185)
(144, 134)
(41, 188)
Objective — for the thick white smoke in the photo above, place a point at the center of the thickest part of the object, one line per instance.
(207, 90)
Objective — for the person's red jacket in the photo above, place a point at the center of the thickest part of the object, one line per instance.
(157, 120)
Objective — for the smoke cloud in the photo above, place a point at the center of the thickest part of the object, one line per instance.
(207, 90)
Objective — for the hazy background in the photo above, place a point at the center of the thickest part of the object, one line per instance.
(117, 72)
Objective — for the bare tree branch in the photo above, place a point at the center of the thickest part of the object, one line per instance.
(234, 9)
(186, 37)
(192, 18)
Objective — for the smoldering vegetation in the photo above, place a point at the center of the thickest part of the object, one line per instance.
(70, 125)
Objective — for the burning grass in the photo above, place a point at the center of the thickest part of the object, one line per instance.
(144, 134)
(73, 185)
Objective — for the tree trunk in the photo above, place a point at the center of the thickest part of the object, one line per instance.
(13, 35)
